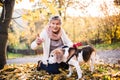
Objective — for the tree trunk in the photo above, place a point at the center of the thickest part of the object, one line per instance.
(114, 39)
(5, 18)
(60, 4)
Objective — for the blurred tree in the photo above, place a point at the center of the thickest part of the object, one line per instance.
(35, 23)
(53, 7)
(63, 5)
(38, 17)
(117, 2)
(111, 28)
(111, 25)
(5, 19)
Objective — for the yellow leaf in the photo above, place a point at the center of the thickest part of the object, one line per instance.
(52, 9)
(20, 0)
(97, 75)
(57, 77)
(23, 34)
(45, 1)
(24, 17)
(17, 1)
(44, 12)
(17, 71)
(6, 67)
(60, 9)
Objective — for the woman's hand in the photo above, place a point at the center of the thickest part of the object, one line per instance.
(39, 40)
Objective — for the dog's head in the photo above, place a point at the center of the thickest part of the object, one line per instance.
(56, 56)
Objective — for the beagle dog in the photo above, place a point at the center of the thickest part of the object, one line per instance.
(75, 56)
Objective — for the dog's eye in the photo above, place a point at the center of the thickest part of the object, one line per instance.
(51, 55)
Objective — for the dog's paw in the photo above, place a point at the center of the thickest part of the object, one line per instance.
(79, 77)
(45, 62)
(92, 69)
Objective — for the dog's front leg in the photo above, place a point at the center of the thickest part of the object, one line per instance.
(77, 66)
(70, 71)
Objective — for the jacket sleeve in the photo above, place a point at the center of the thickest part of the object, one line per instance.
(34, 45)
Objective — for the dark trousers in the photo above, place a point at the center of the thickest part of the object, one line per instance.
(54, 68)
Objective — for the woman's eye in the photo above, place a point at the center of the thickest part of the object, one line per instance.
(57, 23)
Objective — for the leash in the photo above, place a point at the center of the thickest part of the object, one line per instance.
(75, 46)
(65, 65)
(70, 57)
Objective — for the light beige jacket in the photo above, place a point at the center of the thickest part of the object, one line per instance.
(46, 43)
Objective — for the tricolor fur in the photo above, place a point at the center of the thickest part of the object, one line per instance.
(85, 54)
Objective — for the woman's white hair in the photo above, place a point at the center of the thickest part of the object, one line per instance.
(56, 17)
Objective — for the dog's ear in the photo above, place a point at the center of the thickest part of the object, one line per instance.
(72, 50)
(64, 48)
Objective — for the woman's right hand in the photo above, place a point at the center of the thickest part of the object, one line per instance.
(39, 40)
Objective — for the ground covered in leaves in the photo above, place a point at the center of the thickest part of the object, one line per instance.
(28, 72)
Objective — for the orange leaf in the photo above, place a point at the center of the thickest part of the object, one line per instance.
(97, 75)
(31, 0)
(17, 2)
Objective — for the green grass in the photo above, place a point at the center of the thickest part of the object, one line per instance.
(14, 55)
(108, 46)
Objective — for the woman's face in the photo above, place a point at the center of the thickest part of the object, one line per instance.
(55, 25)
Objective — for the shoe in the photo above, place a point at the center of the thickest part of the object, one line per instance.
(64, 65)
(39, 64)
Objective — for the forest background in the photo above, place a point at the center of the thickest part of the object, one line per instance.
(95, 22)
(82, 22)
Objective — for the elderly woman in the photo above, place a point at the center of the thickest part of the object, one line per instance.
(51, 37)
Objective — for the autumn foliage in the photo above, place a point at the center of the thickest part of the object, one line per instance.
(28, 72)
